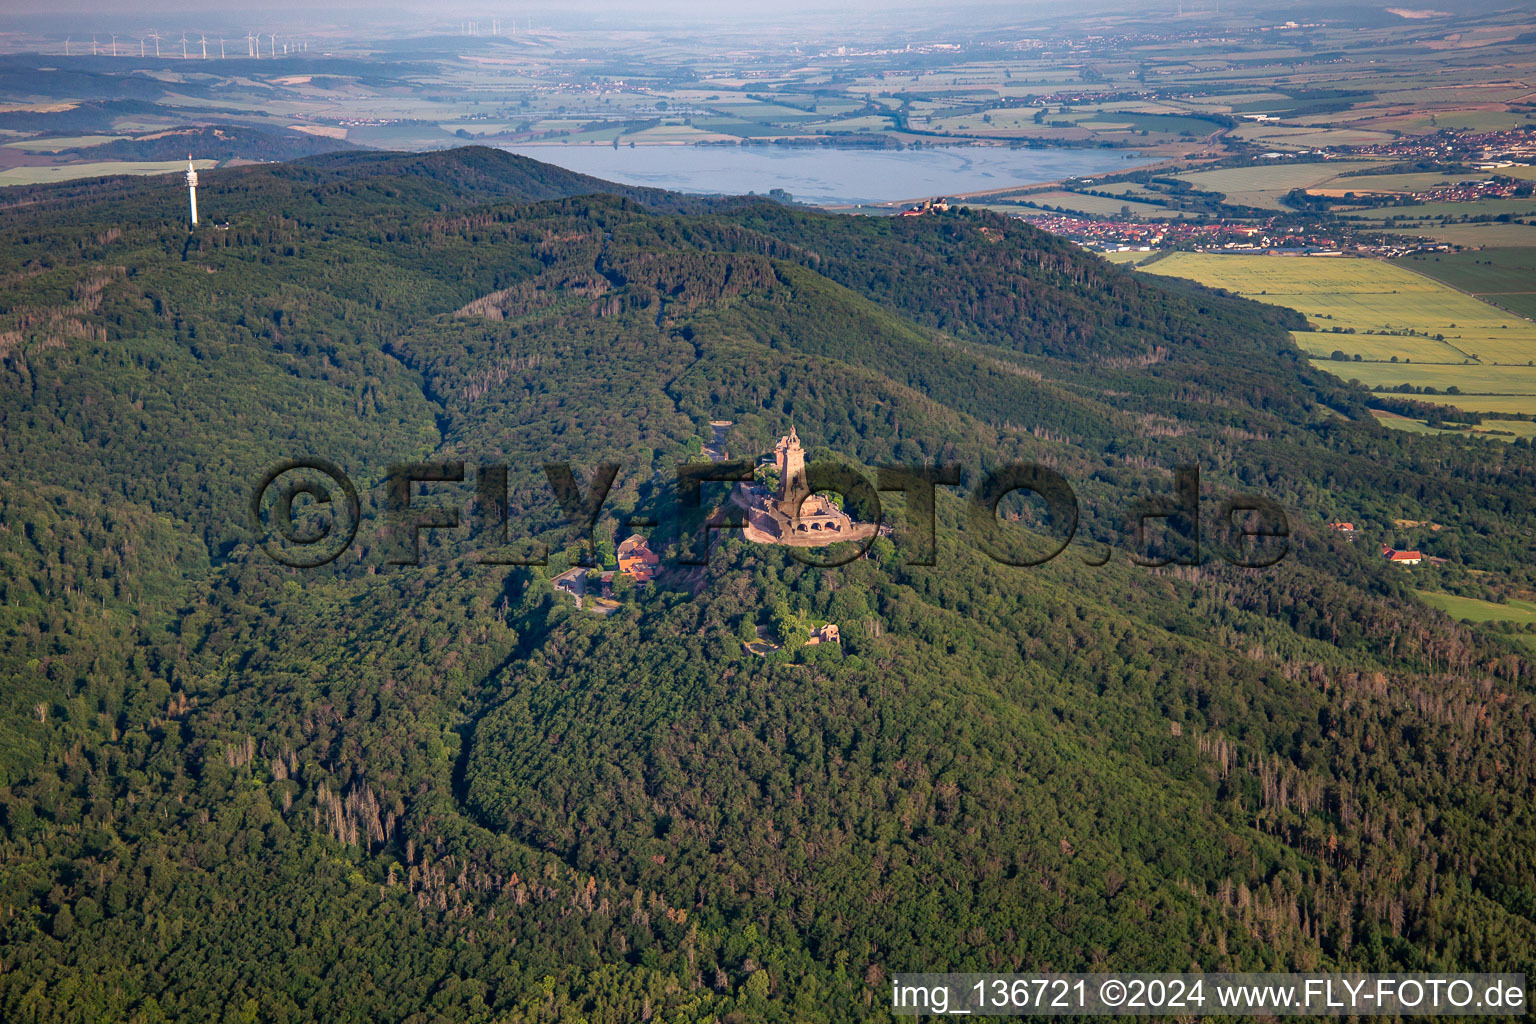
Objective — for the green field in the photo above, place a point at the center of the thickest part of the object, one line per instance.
(1470, 608)
(1413, 182)
(1287, 138)
(1157, 124)
(1455, 94)
(1264, 185)
(1485, 389)
(1464, 120)
(1447, 210)
(1099, 206)
(1490, 429)
(1472, 380)
(1505, 277)
(1476, 235)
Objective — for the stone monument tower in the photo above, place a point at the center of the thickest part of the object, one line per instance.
(789, 457)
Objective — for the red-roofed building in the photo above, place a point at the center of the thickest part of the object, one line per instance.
(637, 560)
(1397, 557)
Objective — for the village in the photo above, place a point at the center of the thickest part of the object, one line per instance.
(1380, 200)
(1273, 236)
(1150, 236)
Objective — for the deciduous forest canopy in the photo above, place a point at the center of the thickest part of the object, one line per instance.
(231, 790)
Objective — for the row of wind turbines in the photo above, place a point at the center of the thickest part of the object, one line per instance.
(253, 46)
(476, 28)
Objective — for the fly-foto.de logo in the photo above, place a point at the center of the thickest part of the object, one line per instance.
(306, 513)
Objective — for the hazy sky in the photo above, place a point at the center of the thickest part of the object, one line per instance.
(467, 9)
(364, 10)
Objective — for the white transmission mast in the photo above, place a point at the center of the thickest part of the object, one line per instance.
(192, 188)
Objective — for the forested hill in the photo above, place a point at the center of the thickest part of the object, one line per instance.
(365, 183)
(234, 790)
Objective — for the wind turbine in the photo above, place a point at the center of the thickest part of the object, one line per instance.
(221, 47)
(273, 38)
(204, 41)
(183, 46)
(141, 47)
(156, 37)
(66, 46)
(93, 46)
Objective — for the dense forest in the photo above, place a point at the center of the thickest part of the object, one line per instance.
(235, 790)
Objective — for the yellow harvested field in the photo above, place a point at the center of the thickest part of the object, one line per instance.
(67, 172)
(327, 131)
(1379, 348)
(1345, 292)
(57, 143)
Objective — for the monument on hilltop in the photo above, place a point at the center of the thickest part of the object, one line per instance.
(792, 514)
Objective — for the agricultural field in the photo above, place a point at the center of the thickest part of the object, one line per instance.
(1455, 94)
(67, 172)
(1470, 235)
(1286, 137)
(1097, 205)
(1378, 348)
(1474, 610)
(1484, 389)
(1491, 429)
(1504, 277)
(1456, 340)
(1363, 294)
(1263, 186)
(1411, 182)
(1465, 120)
(55, 144)
(1452, 211)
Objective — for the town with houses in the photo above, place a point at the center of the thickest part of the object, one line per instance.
(1315, 221)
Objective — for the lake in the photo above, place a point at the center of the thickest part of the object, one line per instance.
(828, 175)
